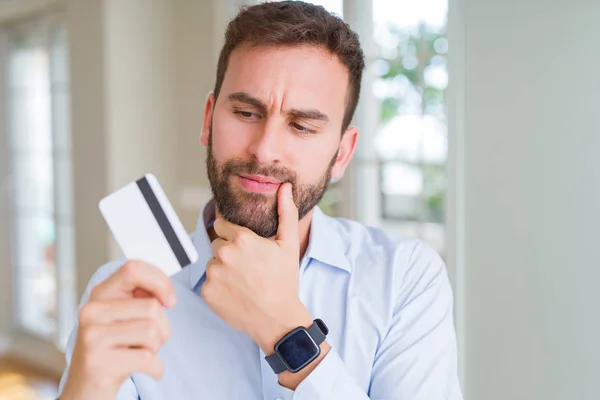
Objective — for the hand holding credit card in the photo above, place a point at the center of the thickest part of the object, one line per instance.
(146, 227)
(123, 324)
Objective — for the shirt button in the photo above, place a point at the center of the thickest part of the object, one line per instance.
(278, 398)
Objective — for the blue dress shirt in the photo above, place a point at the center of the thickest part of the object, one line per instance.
(387, 303)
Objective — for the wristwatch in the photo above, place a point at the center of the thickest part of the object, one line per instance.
(298, 348)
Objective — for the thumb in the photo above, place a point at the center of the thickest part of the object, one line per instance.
(288, 215)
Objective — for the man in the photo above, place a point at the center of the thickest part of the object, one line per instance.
(285, 302)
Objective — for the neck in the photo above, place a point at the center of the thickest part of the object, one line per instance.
(303, 231)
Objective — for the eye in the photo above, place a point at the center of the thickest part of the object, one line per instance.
(301, 129)
(246, 114)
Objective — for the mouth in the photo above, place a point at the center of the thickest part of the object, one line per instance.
(259, 183)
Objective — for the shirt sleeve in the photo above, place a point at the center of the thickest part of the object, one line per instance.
(416, 360)
(329, 380)
(128, 390)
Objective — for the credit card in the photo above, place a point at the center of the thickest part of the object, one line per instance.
(146, 227)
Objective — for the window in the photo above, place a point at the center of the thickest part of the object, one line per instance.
(40, 164)
(411, 140)
(404, 146)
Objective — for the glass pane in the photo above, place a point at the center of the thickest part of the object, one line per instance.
(19, 127)
(29, 85)
(434, 182)
(33, 181)
(412, 139)
(402, 187)
(34, 257)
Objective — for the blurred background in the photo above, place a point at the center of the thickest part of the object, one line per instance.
(480, 134)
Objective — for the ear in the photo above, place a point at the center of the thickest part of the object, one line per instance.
(208, 112)
(345, 152)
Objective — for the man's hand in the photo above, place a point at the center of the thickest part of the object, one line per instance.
(120, 331)
(252, 282)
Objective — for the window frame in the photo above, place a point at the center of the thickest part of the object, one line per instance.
(23, 343)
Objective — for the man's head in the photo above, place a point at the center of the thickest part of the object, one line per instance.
(288, 82)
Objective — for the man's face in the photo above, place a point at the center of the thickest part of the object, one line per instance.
(278, 118)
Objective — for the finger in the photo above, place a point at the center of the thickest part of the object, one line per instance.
(138, 333)
(108, 312)
(214, 269)
(136, 275)
(136, 360)
(287, 231)
(141, 294)
(216, 246)
(227, 230)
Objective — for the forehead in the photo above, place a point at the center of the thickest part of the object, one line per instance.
(289, 77)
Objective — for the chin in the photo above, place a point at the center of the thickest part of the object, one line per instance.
(254, 211)
(262, 222)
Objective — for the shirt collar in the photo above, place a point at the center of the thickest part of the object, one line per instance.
(202, 243)
(325, 243)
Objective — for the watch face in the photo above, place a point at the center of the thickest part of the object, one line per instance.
(298, 349)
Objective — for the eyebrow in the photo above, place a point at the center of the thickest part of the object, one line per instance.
(312, 114)
(247, 99)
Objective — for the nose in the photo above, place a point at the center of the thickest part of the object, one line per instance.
(267, 146)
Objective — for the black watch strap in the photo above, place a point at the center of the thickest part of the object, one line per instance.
(276, 363)
(318, 331)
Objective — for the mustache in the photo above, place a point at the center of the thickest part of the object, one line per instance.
(237, 167)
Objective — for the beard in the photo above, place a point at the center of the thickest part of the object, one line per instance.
(257, 211)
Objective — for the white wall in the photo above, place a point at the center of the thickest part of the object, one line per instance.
(142, 129)
(140, 87)
(141, 71)
(532, 161)
(88, 108)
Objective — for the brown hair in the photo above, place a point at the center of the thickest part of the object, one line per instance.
(294, 23)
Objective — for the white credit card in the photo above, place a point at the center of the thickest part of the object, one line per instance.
(143, 222)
